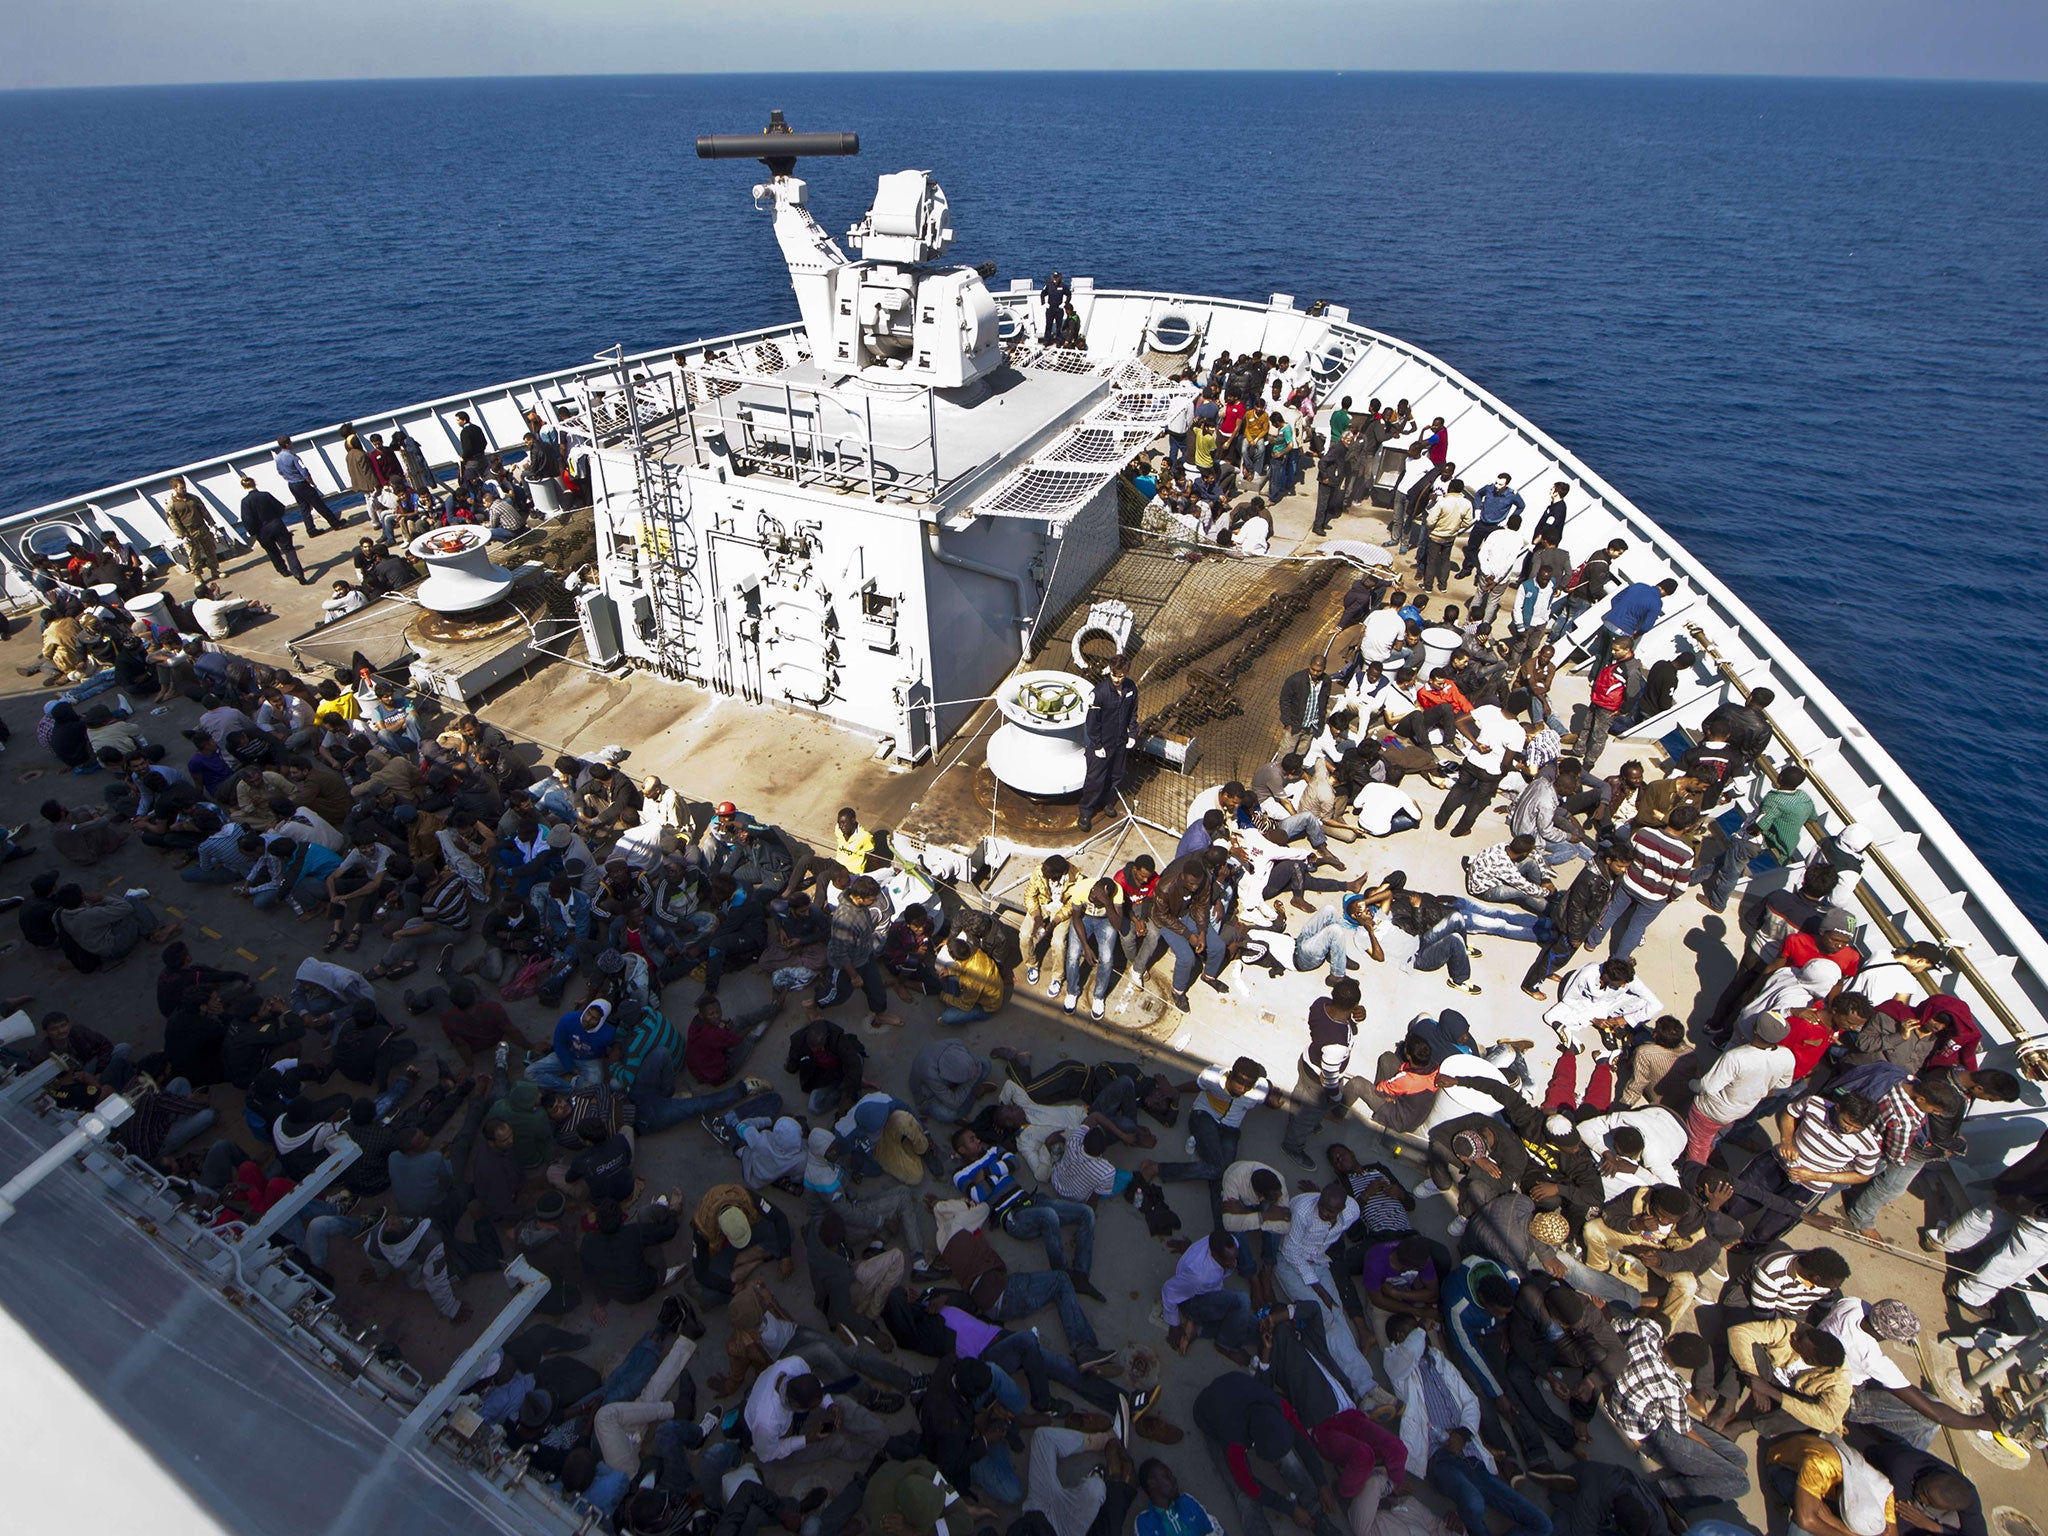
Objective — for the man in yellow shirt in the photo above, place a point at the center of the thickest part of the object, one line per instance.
(971, 974)
(854, 845)
(1806, 1472)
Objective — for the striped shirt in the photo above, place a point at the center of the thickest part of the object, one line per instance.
(449, 905)
(1659, 865)
(1775, 1288)
(1080, 1174)
(1820, 1145)
(990, 1180)
(1899, 1123)
(1648, 1394)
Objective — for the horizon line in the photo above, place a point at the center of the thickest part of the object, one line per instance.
(828, 73)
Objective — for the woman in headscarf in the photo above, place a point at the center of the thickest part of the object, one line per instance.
(362, 474)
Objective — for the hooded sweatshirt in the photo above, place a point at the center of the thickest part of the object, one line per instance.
(533, 1134)
(770, 1152)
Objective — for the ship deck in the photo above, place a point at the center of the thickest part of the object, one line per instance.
(796, 770)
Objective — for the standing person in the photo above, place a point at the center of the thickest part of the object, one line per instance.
(1305, 699)
(1494, 505)
(1740, 1079)
(1636, 610)
(1333, 1025)
(471, 446)
(188, 518)
(1111, 729)
(417, 475)
(299, 481)
(1660, 866)
(1055, 309)
(268, 522)
(1216, 1121)
(1617, 683)
(1449, 518)
(1550, 521)
(852, 955)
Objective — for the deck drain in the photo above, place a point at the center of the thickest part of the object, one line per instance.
(2008, 1521)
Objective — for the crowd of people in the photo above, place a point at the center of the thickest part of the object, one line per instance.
(1619, 1245)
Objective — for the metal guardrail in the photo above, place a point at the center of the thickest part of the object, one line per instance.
(1955, 958)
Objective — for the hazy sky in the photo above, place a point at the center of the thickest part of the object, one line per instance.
(125, 42)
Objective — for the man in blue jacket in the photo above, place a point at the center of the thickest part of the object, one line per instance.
(1634, 613)
(1111, 730)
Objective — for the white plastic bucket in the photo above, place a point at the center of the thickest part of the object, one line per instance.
(1438, 641)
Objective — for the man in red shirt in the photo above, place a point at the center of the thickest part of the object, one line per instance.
(1835, 941)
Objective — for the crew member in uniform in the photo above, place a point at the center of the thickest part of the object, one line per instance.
(1111, 729)
(1055, 309)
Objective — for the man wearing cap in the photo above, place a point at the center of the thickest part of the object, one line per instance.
(1730, 1090)
(735, 1232)
(1885, 1399)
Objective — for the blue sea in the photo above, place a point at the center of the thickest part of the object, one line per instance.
(1802, 324)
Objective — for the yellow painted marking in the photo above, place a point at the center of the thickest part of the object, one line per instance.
(211, 933)
(246, 954)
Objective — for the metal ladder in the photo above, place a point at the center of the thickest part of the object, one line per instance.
(668, 547)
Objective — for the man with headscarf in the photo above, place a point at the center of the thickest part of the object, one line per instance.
(771, 1147)
(945, 1080)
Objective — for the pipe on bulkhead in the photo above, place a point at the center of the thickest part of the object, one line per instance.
(1027, 604)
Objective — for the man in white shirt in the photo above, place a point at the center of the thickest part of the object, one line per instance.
(1492, 744)
(1180, 415)
(1500, 566)
(1316, 1221)
(215, 611)
(1373, 691)
(1636, 1147)
(794, 1420)
(1731, 1089)
(1383, 631)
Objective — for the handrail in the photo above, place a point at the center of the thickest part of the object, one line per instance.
(1956, 958)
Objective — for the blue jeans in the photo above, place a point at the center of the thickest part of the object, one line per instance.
(995, 1475)
(184, 1130)
(1474, 1490)
(207, 872)
(1443, 947)
(1629, 916)
(1031, 1289)
(1020, 1353)
(1185, 961)
(1225, 1316)
(1725, 873)
(1044, 1217)
(654, 1110)
(1326, 946)
(308, 892)
(1302, 824)
(1886, 1186)
(1097, 934)
(549, 1072)
(960, 1013)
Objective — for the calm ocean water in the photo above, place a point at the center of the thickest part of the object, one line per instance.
(1799, 323)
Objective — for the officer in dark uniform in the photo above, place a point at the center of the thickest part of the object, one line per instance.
(1111, 729)
(1056, 292)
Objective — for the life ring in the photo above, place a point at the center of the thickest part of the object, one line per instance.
(1012, 323)
(1172, 332)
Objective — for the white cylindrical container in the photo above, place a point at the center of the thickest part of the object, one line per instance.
(1039, 749)
(460, 575)
(1438, 641)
